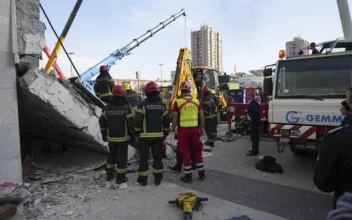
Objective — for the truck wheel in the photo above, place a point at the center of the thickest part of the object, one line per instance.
(295, 150)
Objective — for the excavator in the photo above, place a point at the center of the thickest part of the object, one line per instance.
(198, 76)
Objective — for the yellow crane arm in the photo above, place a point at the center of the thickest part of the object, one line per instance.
(183, 73)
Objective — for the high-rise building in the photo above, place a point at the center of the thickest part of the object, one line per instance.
(293, 47)
(206, 46)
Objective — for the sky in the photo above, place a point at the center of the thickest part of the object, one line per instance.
(253, 31)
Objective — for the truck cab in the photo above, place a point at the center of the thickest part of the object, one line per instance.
(307, 92)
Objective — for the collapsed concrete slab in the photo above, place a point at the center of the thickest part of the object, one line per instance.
(49, 108)
(54, 110)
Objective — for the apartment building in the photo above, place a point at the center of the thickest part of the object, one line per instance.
(206, 46)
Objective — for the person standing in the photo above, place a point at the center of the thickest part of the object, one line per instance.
(131, 96)
(117, 128)
(207, 106)
(315, 51)
(216, 109)
(253, 114)
(152, 127)
(104, 85)
(345, 110)
(188, 116)
(333, 169)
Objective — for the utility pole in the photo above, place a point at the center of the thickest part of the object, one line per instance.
(70, 54)
(161, 73)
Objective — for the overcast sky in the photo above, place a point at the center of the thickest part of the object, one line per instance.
(253, 31)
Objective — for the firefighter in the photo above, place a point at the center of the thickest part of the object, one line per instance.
(131, 96)
(217, 107)
(207, 105)
(115, 114)
(104, 85)
(186, 113)
(152, 127)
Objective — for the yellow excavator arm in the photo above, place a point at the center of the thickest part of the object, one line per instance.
(183, 73)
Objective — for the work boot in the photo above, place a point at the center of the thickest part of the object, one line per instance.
(209, 143)
(109, 173)
(157, 178)
(187, 178)
(176, 168)
(121, 178)
(164, 155)
(201, 175)
(143, 180)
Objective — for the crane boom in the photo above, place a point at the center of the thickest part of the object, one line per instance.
(345, 16)
(124, 51)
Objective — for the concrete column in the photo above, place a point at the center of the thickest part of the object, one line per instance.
(10, 150)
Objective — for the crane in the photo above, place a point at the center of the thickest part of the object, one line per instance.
(124, 51)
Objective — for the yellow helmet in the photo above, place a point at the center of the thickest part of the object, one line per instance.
(127, 86)
(212, 91)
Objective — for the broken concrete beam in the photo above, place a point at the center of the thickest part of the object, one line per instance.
(53, 111)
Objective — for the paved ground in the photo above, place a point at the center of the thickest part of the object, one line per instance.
(234, 188)
(233, 185)
(151, 203)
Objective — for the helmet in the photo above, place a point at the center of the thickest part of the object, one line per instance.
(185, 86)
(212, 91)
(230, 100)
(205, 90)
(151, 86)
(118, 91)
(127, 86)
(103, 67)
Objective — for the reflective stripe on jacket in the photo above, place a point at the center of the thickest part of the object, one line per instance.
(188, 112)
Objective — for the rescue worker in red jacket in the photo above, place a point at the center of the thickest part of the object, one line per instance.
(152, 127)
(207, 105)
(187, 111)
(104, 85)
(117, 127)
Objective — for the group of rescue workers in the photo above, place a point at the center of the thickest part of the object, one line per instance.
(146, 124)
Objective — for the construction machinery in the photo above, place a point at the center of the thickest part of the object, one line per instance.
(198, 76)
(188, 202)
(86, 77)
(56, 51)
(307, 91)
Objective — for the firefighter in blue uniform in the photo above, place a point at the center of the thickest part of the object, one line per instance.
(333, 171)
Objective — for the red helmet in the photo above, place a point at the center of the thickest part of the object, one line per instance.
(205, 90)
(103, 67)
(151, 86)
(185, 86)
(230, 100)
(118, 91)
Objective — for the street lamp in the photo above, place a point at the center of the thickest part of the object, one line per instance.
(70, 54)
(161, 73)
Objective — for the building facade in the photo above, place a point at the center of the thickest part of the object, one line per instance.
(293, 47)
(206, 46)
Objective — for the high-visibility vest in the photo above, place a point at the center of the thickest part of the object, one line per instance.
(188, 108)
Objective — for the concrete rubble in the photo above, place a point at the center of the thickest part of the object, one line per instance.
(63, 186)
